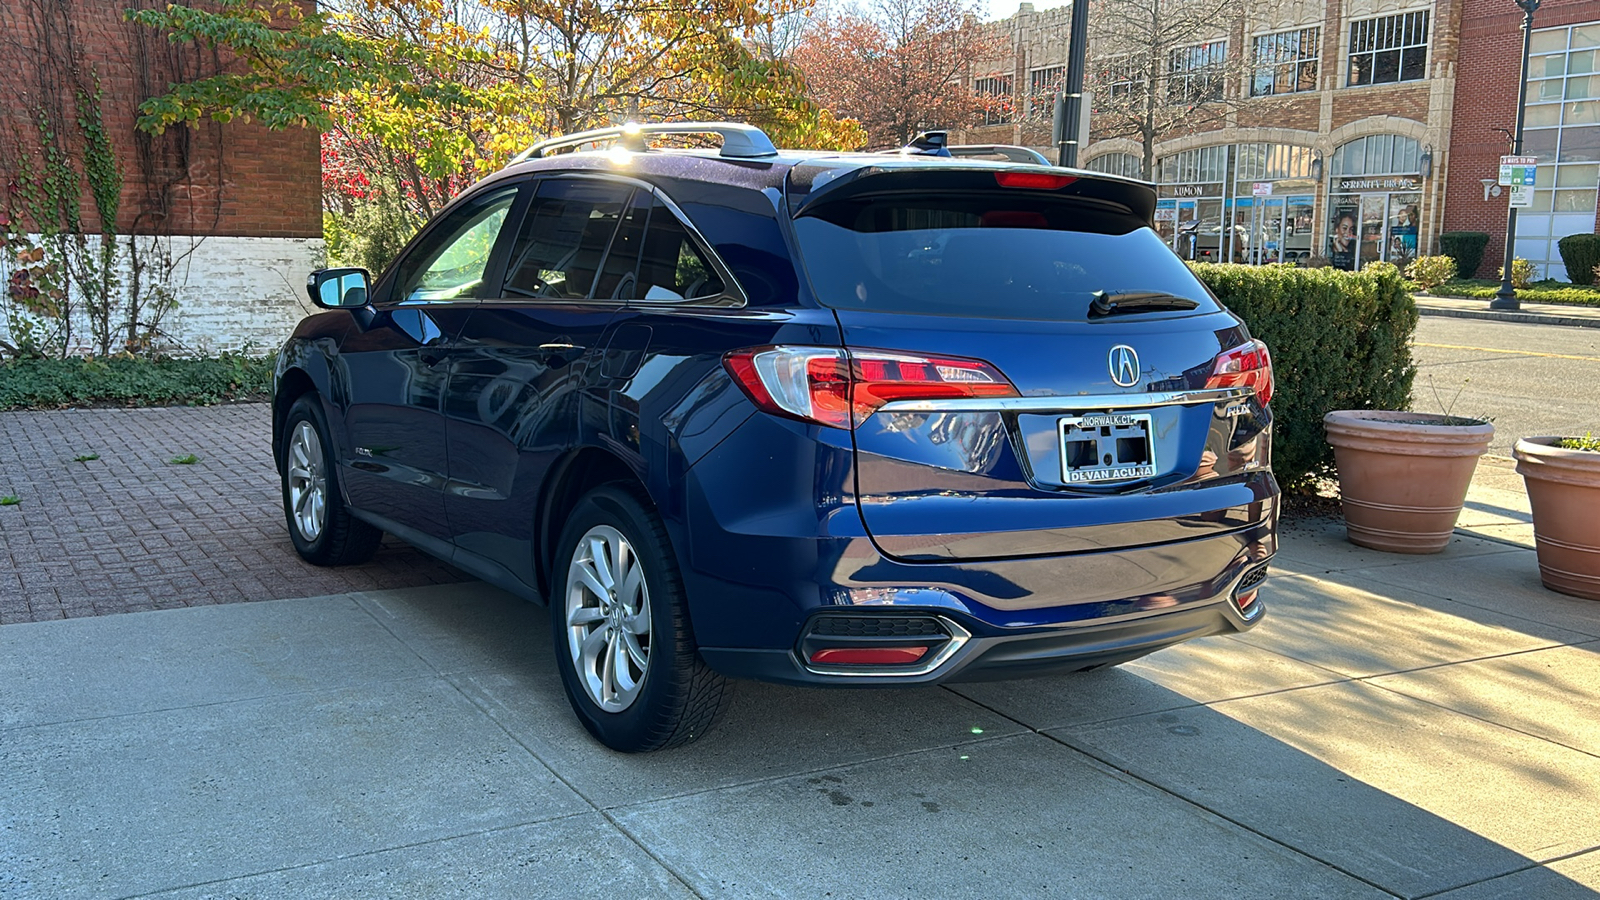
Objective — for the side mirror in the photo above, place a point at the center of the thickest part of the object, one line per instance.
(338, 288)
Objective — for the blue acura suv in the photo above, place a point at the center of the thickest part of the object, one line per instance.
(811, 418)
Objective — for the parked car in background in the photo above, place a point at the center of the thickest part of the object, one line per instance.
(813, 418)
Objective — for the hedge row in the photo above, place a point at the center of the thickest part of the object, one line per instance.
(54, 383)
(1339, 340)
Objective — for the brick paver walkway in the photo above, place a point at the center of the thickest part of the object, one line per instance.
(132, 531)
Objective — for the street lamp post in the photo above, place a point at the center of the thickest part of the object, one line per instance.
(1068, 114)
(1506, 297)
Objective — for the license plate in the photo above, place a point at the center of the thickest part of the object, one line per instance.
(1107, 447)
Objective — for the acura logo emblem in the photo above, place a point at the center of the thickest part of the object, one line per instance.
(1124, 365)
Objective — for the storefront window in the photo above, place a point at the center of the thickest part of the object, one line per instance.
(1375, 201)
(1247, 203)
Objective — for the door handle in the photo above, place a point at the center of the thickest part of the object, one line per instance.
(559, 353)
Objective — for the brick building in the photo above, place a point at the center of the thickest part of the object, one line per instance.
(1329, 133)
(230, 215)
(1563, 126)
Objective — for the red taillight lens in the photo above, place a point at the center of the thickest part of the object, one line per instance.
(832, 386)
(1247, 365)
(1043, 181)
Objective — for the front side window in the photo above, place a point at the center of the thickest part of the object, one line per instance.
(1195, 74)
(1285, 63)
(451, 261)
(1389, 49)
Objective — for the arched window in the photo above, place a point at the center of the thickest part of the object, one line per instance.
(1125, 164)
(1377, 154)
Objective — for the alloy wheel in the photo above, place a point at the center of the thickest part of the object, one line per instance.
(608, 618)
(308, 482)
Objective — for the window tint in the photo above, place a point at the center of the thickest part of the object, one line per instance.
(672, 266)
(619, 277)
(564, 238)
(985, 257)
(450, 262)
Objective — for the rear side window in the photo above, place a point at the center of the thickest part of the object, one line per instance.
(564, 238)
(672, 266)
(984, 255)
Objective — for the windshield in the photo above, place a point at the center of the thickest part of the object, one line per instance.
(987, 256)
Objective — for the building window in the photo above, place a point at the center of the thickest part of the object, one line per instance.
(1563, 132)
(1286, 62)
(1378, 154)
(1202, 165)
(1125, 164)
(995, 91)
(1272, 162)
(1121, 77)
(1389, 49)
(1195, 74)
(1042, 87)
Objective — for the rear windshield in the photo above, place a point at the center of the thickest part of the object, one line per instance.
(989, 256)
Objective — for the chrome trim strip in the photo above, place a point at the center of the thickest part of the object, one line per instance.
(958, 639)
(1069, 403)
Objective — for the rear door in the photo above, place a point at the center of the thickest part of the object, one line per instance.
(522, 359)
(1100, 446)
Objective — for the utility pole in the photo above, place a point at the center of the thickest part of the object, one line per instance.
(1069, 107)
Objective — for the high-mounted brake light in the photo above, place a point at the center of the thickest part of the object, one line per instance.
(1043, 181)
(841, 388)
(1247, 365)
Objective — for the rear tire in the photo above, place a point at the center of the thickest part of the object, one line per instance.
(320, 525)
(620, 623)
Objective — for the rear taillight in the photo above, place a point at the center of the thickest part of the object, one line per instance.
(841, 388)
(1247, 365)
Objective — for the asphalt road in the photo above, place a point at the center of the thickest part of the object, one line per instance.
(1530, 379)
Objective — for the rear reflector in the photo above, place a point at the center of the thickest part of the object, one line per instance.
(868, 656)
(1041, 181)
(840, 388)
(1245, 600)
(1247, 365)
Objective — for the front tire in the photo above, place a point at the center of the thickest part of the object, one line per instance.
(320, 525)
(620, 623)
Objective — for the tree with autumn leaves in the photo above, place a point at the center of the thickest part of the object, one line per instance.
(899, 67)
(417, 98)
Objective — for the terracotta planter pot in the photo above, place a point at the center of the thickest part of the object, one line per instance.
(1564, 488)
(1403, 476)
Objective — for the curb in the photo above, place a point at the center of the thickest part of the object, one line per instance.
(1496, 315)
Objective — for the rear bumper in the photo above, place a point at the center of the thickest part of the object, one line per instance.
(1025, 654)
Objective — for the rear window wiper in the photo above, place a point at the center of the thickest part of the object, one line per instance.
(1108, 304)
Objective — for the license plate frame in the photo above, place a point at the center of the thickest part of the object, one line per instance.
(1087, 441)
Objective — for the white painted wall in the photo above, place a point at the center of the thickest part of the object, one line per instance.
(234, 293)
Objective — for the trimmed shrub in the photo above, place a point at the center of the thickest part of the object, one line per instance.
(1521, 273)
(1428, 272)
(130, 381)
(1538, 292)
(1466, 248)
(1339, 340)
(1581, 253)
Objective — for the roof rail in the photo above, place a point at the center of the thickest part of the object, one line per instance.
(739, 141)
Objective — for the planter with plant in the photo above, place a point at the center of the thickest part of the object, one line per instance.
(1403, 476)
(1563, 479)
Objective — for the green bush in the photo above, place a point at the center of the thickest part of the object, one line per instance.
(126, 381)
(1581, 253)
(1339, 340)
(370, 235)
(1466, 248)
(1428, 272)
(1539, 292)
(1521, 273)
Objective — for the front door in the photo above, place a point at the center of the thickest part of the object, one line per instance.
(396, 465)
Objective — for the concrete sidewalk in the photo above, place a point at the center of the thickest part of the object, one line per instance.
(1399, 726)
(1530, 313)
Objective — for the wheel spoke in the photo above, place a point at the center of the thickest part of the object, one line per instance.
(638, 623)
(632, 582)
(608, 668)
(586, 574)
(621, 674)
(602, 565)
(585, 615)
(635, 652)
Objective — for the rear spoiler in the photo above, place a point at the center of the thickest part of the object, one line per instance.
(826, 181)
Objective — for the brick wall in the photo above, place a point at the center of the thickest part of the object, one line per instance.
(1486, 99)
(237, 180)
